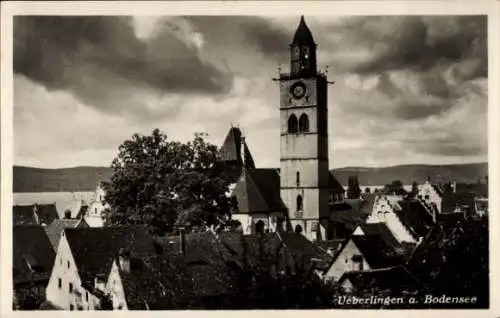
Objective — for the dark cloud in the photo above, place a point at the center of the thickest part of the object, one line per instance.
(100, 59)
(412, 42)
(450, 147)
(254, 33)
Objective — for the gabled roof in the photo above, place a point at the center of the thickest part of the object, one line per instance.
(157, 282)
(334, 184)
(415, 217)
(343, 213)
(303, 35)
(376, 251)
(258, 190)
(381, 230)
(47, 213)
(23, 214)
(94, 249)
(54, 230)
(395, 279)
(33, 256)
(231, 149)
(305, 253)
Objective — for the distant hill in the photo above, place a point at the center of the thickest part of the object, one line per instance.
(76, 179)
(468, 173)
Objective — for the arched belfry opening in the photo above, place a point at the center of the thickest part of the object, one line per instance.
(303, 123)
(293, 124)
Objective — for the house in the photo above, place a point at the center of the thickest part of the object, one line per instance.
(41, 214)
(408, 219)
(159, 282)
(372, 246)
(33, 259)
(344, 218)
(55, 229)
(97, 205)
(453, 197)
(392, 281)
(84, 259)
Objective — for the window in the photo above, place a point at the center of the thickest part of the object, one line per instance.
(68, 264)
(297, 177)
(299, 202)
(303, 123)
(306, 52)
(298, 229)
(59, 283)
(95, 210)
(70, 287)
(292, 124)
(71, 307)
(87, 296)
(60, 261)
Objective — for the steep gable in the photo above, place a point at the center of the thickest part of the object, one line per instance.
(258, 190)
(94, 249)
(33, 255)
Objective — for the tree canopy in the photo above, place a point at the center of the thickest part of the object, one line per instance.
(353, 189)
(164, 183)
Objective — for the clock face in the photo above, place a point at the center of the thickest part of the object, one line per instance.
(298, 90)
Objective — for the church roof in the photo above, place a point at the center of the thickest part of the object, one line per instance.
(258, 190)
(335, 184)
(231, 149)
(303, 35)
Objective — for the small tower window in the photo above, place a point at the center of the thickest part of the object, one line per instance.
(297, 177)
(292, 124)
(303, 123)
(300, 203)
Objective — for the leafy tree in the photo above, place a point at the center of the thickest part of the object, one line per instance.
(414, 189)
(165, 183)
(353, 190)
(367, 190)
(395, 187)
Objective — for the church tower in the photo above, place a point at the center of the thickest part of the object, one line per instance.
(304, 169)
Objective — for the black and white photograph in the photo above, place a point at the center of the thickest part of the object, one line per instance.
(249, 162)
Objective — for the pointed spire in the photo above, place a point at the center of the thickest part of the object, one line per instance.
(303, 35)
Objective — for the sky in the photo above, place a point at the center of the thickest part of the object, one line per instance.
(408, 89)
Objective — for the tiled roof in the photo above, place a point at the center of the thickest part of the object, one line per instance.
(156, 283)
(54, 230)
(305, 253)
(415, 217)
(47, 213)
(258, 190)
(23, 214)
(377, 253)
(94, 249)
(380, 229)
(343, 213)
(334, 184)
(33, 256)
(231, 149)
(395, 279)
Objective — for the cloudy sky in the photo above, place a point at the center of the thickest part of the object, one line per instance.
(408, 89)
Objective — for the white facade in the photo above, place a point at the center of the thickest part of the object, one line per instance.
(384, 211)
(345, 262)
(114, 288)
(96, 207)
(64, 289)
(429, 195)
(248, 221)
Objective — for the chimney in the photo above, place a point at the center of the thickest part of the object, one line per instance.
(124, 260)
(182, 234)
